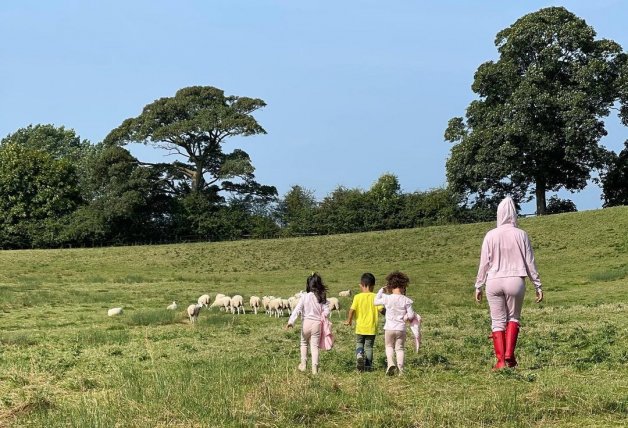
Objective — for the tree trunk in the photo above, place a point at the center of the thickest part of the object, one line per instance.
(198, 181)
(540, 196)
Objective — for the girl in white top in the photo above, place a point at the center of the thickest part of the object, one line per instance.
(398, 310)
(313, 308)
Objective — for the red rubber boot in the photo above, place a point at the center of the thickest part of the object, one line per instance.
(512, 332)
(498, 345)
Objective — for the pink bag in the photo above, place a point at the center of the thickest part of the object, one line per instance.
(326, 341)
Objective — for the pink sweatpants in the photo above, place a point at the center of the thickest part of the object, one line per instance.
(505, 299)
(310, 332)
(394, 342)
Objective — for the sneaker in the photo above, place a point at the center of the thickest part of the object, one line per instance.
(302, 367)
(392, 370)
(360, 361)
(314, 369)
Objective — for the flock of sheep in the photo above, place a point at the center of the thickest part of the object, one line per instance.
(273, 306)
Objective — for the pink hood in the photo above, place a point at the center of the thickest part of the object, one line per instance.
(506, 212)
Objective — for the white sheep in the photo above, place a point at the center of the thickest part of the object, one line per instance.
(217, 301)
(266, 303)
(237, 303)
(254, 303)
(172, 306)
(275, 306)
(333, 303)
(204, 300)
(224, 303)
(193, 311)
(293, 302)
(285, 303)
(114, 311)
(345, 293)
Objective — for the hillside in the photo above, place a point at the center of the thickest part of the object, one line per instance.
(64, 362)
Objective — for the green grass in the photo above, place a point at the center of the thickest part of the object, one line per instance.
(64, 362)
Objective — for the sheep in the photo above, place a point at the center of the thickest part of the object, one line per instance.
(345, 293)
(266, 302)
(172, 306)
(218, 302)
(285, 303)
(254, 303)
(237, 303)
(204, 300)
(193, 311)
(224, 303)
(333, 304)
(275, 306)
(293, 302)
(114, 311)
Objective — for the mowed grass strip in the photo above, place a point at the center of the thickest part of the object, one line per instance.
(64, 362)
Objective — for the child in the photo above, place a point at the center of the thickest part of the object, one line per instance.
(398, 309)
(313, 307)
(366, 317)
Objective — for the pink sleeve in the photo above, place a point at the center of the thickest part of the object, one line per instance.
(297, 310)
(533, 274)
(380, 297)
(485, 263)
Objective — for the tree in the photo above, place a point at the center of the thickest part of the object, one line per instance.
(385, 197)
(538, 122)
(297, 211)
(615, 180)
(196, 124)
(36, 192)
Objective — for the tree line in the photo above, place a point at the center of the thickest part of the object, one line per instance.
(535, 128)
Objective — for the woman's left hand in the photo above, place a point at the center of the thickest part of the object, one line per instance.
(539, 296)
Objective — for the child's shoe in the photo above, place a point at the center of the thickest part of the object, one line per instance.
(302, 367)
(360, 361)
(314, 368)
(392, 370)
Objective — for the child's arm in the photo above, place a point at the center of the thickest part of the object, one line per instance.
(380, 298)
(295, 313)
(350, 319)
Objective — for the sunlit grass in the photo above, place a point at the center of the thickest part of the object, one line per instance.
(64, 362)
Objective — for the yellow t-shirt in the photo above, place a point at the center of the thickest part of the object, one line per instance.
(366, 313)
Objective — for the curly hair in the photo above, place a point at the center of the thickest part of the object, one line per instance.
(397, 279)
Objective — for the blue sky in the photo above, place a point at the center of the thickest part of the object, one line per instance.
(355, 89)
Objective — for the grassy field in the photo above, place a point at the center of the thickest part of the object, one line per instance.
(63, 362)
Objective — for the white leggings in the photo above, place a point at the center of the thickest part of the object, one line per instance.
(505, 299)
(310, 333)
(394, 342)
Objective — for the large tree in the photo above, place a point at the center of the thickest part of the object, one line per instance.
(538, 122)
(196, 124)
(615, 180)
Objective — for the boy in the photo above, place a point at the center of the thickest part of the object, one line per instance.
(366, 317)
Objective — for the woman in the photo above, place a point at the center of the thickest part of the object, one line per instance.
(505, 261)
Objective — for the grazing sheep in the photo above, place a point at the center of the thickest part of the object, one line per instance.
(217, 301)
(204, 300)
(224, 303)
(172, 306)
(333, 304)
(285, 303)
(292, 303)
(193, 311)
(237, 303)
(345, 293)
(114, 311)
(254, 303)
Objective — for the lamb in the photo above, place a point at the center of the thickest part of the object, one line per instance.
(333, 304)
(172, 306)
(237, 303)
(114, 311)
(345, 293)
(193, 311)
(254, 303)
(204, 300)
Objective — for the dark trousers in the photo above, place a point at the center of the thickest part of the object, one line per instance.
(364, 343)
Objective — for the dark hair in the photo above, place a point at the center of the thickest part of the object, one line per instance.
(314, 284)
(397, 279)
(368, 280)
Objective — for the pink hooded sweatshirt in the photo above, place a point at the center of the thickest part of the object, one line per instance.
(506, 250)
